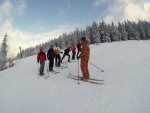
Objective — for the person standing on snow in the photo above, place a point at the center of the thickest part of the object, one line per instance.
(66, 52)
(73, 49)
(85, 52)
(50, 57)
(41, 57)
(57, 55)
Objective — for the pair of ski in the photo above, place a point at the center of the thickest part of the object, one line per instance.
(44, 76)
(90, 80)
(61, 67)
(54, 72)
(72, 61)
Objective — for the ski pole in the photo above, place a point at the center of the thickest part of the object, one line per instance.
(96, 67)
(78, 72)
(38, 71)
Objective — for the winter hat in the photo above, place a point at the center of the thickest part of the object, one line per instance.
(51, 46)
(41, 49)
(83, 38)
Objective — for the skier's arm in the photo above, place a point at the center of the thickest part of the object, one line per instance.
(83, 51)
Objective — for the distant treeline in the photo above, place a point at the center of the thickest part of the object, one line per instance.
(97, 33)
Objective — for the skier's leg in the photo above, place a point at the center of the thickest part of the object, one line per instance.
(49, 64)
(74, 54)
(52, 63)
(56, 59)
(84, 68)
(63, 57)
(68, 58)
(40, 68)
(78, 53)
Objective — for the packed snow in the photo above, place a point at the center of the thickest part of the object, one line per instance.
(126, 87)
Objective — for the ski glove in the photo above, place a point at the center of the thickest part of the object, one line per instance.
(78, 57)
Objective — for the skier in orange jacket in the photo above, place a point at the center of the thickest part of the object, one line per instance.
(85, 52)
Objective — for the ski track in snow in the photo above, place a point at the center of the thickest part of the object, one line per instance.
(125, 89)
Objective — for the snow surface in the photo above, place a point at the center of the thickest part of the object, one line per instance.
(126, 88)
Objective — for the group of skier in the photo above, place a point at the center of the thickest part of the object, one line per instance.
(54, 53)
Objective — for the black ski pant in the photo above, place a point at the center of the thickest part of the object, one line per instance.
(51, 63)
(64, 57)
(57, 60)
(42, 65)
(73, 55)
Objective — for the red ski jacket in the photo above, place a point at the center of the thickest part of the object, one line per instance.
(73, 48)
(41, 56)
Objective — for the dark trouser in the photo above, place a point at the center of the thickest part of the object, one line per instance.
(57, 60)
(73, 55)
(64, 57)
(42, 64)
(51, 63)
(78, 52)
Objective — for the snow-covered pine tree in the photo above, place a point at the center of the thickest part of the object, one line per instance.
(82, 33)
(63, 43)
(130, 30)
(78, 35)
(75, 39)
(114, 34)
(96, 32)
(59, 42)
(147, 29)
(123, 32)
(104, 32)
(65, 39)
(136, 33)
(87, 33)
(70, 41)
(124, 35)
(141, 30)
(3, 53)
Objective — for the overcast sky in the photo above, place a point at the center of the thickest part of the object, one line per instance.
(31, 22)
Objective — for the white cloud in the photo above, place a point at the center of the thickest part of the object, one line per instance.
(109, 19)
(20, 7)
(17, 38)
(134, 11)
(121, 10)
(9, 9)
(5, 10)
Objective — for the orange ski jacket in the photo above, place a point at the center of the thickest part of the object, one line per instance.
(85, 51)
